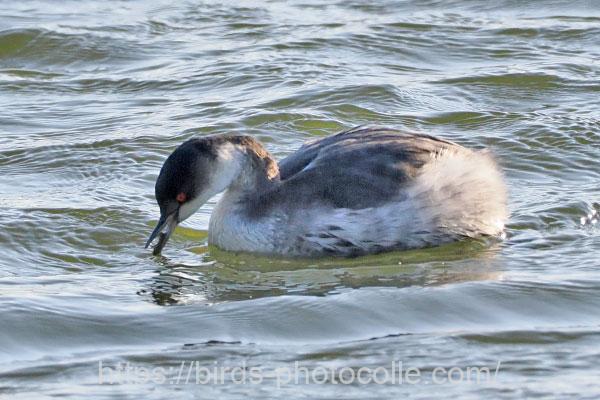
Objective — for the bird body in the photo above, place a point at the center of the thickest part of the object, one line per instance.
(362, 191)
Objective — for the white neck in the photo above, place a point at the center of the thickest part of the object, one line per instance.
(230, 164)
(231, 229)
(227, 169)
(242, 170)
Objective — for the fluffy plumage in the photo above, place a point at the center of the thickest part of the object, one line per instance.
(362, 191)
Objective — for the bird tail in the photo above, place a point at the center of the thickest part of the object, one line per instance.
(462, 193)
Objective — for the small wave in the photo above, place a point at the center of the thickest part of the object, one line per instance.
(41, 47)
(538, 81)
(350, 316)
(550, 33)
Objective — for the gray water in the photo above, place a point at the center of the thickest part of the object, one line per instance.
(94, 96)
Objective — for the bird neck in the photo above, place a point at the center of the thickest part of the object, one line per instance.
(245, 165)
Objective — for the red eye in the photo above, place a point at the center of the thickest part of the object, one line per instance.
(181, 197)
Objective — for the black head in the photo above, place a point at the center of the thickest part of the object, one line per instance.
(183, 174)
(184, 177)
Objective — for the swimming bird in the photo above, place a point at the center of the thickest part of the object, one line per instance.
(362, 191)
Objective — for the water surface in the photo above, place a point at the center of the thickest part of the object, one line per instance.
(95, 95)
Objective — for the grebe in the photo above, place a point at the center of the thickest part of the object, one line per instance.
(366, 190)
